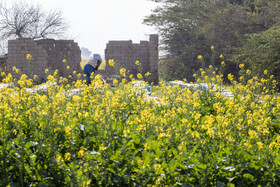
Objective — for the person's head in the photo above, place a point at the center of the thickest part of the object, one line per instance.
(97, 57)
(94, 60)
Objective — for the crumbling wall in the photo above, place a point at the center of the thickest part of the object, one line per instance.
(126, 53)
(46, 54)
(3, 65)
(3, 62)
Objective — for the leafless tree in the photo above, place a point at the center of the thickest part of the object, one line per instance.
(27, 20)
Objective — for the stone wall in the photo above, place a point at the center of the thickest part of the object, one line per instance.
(126, 53)
(46, 54)
(3, 62)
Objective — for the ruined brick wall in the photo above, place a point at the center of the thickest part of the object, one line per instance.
(46, 54)
(3, 62)
(126, 53)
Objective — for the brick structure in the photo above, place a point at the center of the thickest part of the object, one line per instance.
(3, 62)
(126, 53)
(46, 54)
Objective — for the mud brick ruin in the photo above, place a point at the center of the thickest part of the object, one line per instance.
(46, 54)
(3, 62)
(49, 54)
(126, 53)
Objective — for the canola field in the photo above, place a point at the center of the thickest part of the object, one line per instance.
(73, 134)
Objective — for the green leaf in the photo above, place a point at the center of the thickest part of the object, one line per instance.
(248, 176)
(111, 170)
(172, 165)
(33, 158)
(73, 166)
(201, 166)
(28, 145)
(277, 160)
(26, 167)
(79, 173)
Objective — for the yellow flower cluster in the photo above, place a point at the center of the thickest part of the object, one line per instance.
(137, 63)
(28, 57)
(147, 74)
(120, 129)
(123, 72)
(111, 62)
(199, 57)
(67, 156)
(139, 76)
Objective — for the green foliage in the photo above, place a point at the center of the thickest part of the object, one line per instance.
(260, 52)
(187, 26)
(104, 136)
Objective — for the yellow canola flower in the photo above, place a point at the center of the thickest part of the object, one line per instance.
(212, 47)
(67, 156)
(23, 77)
(59, 158)
(221, 56)
(123, 72)
(46, 71)
(158, 181)
(139, 76)
(230, 77)
(124, 81)
(248, 145)
(64, 60)
(199, 57)
(241, 66)
(147, 74)
(137, 63)
(50, 78)
(111, 62)
(67, 130)
(253, 104)
(245, 116)
(115, 81)
(86, 183)
(81, 153)
(102, 148)
(202, 73)
(259, 145)
(55, 72)
(265, 72)
(28, 56)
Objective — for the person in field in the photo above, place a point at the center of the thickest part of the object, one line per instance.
(92, 66)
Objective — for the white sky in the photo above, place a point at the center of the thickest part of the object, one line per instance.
(92, 23)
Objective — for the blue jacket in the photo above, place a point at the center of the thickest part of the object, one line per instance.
(88, 69)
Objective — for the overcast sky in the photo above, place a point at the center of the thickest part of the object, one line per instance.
(92, 23)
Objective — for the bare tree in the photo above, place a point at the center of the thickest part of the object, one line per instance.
(26, 20)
